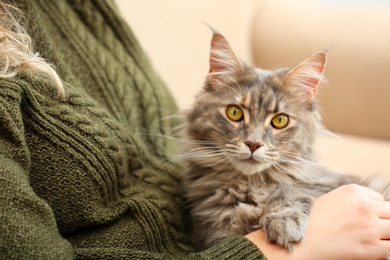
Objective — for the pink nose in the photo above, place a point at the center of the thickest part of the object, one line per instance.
(253, 146)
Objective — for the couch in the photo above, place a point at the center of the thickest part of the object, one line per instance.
(277, 33)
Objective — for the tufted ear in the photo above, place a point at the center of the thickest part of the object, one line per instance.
(224, 64)
(306, 76)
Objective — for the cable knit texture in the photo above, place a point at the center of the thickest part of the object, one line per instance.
(89, 177)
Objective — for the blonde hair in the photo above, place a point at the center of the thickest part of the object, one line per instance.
(16, 54)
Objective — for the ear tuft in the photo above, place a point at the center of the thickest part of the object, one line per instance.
(224, 64)
(307, 75)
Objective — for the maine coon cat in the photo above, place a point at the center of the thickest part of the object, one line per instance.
(250, 150)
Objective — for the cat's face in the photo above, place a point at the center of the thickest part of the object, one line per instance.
(253, 119)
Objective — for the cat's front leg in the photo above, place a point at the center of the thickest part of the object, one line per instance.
(285, 227)
(285, 217)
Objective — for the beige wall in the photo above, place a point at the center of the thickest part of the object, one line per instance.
(177, 41)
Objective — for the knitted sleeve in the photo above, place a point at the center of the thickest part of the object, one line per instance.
(27, 224)
(234, 248)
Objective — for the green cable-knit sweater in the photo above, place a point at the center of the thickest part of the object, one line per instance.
(89, 177)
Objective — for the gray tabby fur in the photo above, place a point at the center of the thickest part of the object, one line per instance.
(231, 190)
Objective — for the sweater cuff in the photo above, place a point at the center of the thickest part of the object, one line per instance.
(236, 247)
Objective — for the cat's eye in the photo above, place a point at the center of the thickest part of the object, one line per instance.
(234, 113)
(279, 121)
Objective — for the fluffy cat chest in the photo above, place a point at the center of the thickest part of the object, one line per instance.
(231, 189)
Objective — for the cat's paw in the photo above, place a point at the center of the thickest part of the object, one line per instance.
(285, 228)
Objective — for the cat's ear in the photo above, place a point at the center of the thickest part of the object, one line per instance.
(224, 64)
(307, 75)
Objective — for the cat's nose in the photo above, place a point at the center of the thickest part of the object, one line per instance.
(253, 146)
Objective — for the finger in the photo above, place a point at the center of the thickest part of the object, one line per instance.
(384, 229)
(355, 189)
(384, 209)
(384, 253)
(372, 194)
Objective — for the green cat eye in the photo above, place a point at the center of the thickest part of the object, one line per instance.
(279, 121)
(234, 113)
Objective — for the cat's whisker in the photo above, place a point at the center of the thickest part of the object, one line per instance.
(294, 167)
(298, 170)
(296, 173)
(200, 155)
(209, 149)
(282, 169)
(181, 140)
(178, 115)
(300, 156)
(219, 162)
(281, 172)
(204, 148)
(299, 165)
(298, 161)
(283, 162)
(198, 159)
(227, 160)
(271, 154)
(231, 145)
(204, 152)
(231, 149)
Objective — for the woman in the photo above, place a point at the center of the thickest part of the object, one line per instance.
(84, 171)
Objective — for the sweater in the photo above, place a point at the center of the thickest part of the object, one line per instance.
(90, 177)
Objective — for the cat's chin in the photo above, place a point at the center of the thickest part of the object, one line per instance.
(249, 167)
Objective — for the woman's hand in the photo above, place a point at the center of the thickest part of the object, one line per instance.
(351, 222)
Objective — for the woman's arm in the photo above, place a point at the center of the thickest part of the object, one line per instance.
(27, 224)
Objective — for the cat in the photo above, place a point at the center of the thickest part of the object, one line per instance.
(250, 160)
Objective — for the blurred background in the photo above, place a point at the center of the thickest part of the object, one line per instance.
(280, 33)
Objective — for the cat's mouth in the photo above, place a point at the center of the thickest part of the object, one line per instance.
(250, 160)
(251, 165)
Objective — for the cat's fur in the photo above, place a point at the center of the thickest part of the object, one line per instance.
(247, 175)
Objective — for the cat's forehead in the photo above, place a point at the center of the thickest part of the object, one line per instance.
(260, 80)
(260, 89)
